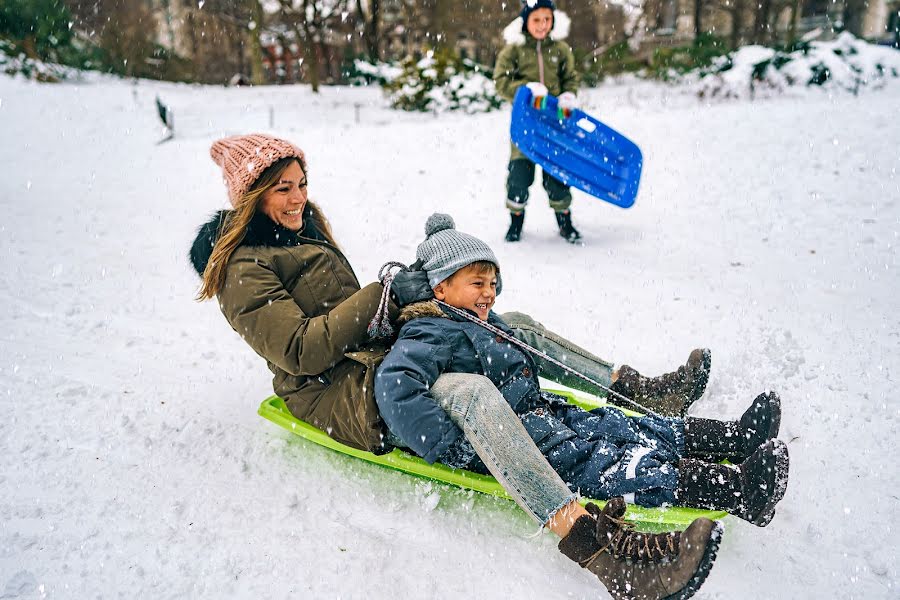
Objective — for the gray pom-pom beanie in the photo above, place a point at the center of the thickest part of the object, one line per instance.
(446, 250)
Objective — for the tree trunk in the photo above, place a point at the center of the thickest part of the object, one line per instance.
(371, 28)
(698, 20)
(854, 16)
(257, 73)
(761, 22)
(792, 26)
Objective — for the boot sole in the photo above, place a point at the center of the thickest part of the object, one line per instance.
(702, 380)
(706, 563)
(782, 466)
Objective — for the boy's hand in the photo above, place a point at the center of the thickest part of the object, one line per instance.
(411, 286)
(567, 103)
(538, 93)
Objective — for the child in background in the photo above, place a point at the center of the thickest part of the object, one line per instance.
(536, 56)
(650, 460)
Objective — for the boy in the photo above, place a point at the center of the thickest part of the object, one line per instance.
(537, 56)
(602, 453)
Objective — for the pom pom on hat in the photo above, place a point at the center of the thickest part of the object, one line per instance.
(438, 222)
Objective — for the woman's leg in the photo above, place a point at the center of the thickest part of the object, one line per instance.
(537, 336)
(478, 408)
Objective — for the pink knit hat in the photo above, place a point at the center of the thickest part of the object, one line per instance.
(243, 158)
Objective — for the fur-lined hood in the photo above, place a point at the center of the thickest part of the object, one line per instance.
(419, 310)
(514, 35)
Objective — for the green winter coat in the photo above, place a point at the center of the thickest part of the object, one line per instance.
(296, 301)
(517, 64)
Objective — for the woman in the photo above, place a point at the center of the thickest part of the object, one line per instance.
(285, 287)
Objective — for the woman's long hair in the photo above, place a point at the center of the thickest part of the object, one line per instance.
(234, 226)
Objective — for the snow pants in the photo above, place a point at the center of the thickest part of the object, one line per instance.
(604, 453)
(520, 178)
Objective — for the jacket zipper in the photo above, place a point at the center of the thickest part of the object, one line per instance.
(540, 63)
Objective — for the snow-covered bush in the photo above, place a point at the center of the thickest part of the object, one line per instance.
(441, 82)
(363, 72)
(846, 63)
(15, 63)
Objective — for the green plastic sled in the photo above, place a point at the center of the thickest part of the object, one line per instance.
(644, 519)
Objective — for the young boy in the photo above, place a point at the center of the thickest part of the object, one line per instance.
(536, 55)
(650, 460)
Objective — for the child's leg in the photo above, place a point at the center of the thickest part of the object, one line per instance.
(560, 194)
(478, 408)
(608, 454)
(519, 179)
(537, 336)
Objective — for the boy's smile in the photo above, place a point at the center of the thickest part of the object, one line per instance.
(472, 288)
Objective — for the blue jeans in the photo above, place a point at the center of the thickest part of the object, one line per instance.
(477, 407)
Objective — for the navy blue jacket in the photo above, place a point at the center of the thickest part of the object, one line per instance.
(601, 453)
(432, 342)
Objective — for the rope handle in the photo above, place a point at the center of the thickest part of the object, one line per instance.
(497, 331)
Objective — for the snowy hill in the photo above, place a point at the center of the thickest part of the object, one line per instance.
(132, 462)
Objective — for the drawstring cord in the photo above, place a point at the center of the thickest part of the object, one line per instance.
(380, 325)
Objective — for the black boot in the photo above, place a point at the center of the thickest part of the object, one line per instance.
(670, 394)
(749, 492)
(734, 440)
(514, 233)
(564, 220)
(642, 566)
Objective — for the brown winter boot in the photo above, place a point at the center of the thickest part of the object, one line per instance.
(671, 394)
(642, 566)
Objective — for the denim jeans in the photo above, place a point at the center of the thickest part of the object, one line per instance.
(477, 407)
(537, 336)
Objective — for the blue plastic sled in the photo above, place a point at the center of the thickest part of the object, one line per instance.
(579, 150)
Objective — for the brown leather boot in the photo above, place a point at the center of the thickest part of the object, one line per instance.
(642, 566)
(671, 394)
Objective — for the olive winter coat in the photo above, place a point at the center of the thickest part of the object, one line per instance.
(525, 59)
(295, 299)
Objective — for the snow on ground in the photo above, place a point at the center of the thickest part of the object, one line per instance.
(132, 462)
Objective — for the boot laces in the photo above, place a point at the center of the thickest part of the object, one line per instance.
(630, 544)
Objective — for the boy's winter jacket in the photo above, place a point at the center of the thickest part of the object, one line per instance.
(432, 342)
(602, 453)
(295, 299)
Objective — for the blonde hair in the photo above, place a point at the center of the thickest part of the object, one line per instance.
(233, 227)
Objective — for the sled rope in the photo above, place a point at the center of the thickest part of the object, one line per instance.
(496, 330)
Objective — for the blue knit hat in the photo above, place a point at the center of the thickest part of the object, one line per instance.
(530, 5)
(446, 250)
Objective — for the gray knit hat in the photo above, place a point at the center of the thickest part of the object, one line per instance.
(446, 250)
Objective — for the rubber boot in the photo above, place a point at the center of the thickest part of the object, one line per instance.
(749, 492)
(514, 233)
(566, 230)
(642, 566)
(671, 394)
(734, 440)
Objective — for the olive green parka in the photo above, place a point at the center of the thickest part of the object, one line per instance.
(525, 59)
(295, 300)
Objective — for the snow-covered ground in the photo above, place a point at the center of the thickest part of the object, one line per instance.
(132, 461)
